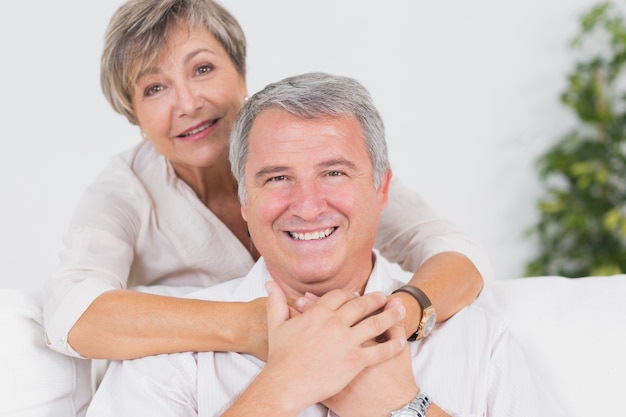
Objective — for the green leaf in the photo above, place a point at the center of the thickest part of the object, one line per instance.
(581, 228)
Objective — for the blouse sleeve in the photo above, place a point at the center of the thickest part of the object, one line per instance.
(410, 232)
(96, 257)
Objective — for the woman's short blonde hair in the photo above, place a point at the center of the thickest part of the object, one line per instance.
(137, 32)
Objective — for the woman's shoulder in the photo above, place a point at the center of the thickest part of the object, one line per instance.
(128, 171)
(119, 190)
(134, 160)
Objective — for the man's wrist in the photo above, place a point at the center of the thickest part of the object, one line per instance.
(417, 407)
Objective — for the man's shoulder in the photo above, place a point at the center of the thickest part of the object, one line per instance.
(473, 322)
(224, 291)
(245, 288)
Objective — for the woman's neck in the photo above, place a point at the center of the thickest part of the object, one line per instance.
(216, 188)
(211, 184)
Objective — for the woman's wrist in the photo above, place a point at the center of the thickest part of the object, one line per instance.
(253, 328)
(413, 312)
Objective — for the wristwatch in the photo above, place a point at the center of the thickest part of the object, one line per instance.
(416, 408)
(429, 317)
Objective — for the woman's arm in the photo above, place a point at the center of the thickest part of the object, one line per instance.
(451, 282)
(121, 236)
(446, 264)
(123, 324)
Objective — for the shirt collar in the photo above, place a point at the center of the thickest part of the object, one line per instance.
(253, 285)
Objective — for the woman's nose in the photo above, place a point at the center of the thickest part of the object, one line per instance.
(189, 101)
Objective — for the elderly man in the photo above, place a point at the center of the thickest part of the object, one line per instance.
(310, 157)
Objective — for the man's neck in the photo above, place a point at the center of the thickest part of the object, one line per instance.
(353, 280)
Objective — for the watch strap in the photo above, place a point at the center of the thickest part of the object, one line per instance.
(416, 408)
(420, 403)
(423, 301)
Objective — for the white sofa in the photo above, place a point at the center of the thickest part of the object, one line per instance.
(573, 331)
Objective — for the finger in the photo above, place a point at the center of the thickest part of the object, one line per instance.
(335, 299)
(303, 303)
(277, 307)
(376, 353)
(359, 308)
(293, 312)
(397, 330)
(375, 325)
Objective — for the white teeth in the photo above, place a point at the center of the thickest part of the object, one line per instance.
(321, 234)
(199, 129)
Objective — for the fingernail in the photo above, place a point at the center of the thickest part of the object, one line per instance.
(401, 310)
(300, 303)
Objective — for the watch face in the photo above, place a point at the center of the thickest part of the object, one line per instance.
(431, 318)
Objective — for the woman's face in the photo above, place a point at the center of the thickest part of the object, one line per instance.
(186, 103)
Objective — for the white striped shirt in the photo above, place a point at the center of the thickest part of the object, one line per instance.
(469, 366)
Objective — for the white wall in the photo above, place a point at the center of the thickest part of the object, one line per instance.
(468, 90)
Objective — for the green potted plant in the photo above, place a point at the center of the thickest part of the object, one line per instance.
(581, 229)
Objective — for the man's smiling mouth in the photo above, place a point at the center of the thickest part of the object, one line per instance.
(320, 234)
(198, 129)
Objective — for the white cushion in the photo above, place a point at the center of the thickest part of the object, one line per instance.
(34, 380)
(574, 335)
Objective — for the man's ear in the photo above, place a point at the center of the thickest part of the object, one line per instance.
(383, 190)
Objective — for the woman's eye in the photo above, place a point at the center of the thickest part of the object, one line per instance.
(152, 90)
(204, 69)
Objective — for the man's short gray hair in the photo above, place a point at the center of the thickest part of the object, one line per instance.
(311, 96)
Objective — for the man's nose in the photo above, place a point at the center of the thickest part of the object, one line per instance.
(308, 200)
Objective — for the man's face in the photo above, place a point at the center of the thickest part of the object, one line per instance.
(312, 207)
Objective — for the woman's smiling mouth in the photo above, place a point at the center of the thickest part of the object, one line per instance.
(198, 129)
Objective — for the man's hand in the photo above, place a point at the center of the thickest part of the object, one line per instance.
(380, 388)
(314, 355)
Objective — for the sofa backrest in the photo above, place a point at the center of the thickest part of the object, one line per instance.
(573, 332)
(34, 380)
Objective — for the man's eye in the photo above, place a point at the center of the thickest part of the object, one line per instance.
(152, 90)
(335, 173)
(277, 178)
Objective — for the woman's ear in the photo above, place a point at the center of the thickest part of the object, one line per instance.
(244, 212)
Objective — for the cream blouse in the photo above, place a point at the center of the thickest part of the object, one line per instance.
(138, 224)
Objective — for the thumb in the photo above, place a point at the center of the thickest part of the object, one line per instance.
(277, 307)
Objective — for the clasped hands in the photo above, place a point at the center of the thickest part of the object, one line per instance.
(346, 351)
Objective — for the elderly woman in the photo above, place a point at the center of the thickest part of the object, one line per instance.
(166, 214)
